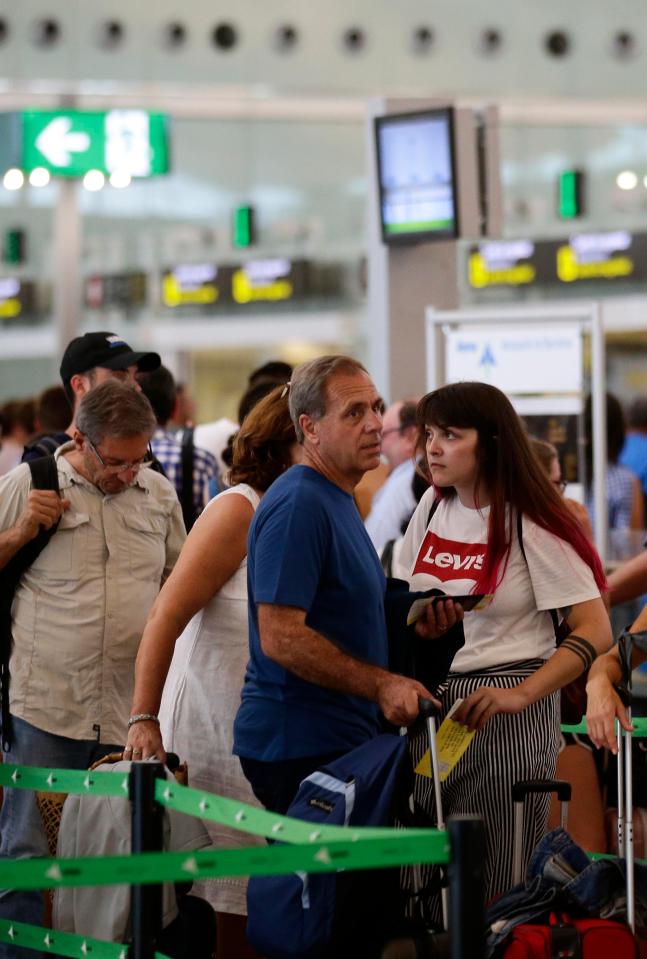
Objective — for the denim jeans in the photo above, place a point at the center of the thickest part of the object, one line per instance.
(21, 831)
(561, 877)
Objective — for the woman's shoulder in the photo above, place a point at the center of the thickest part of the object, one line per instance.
(241, 489)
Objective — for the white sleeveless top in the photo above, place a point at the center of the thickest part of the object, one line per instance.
(200, 699)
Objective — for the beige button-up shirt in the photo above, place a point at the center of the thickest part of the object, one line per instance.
(80, 609)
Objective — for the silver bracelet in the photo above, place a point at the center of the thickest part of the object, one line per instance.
(143, 718)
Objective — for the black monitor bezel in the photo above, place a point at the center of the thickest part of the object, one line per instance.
(418, 236)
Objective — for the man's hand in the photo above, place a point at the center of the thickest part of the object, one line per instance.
(603, 706)
(397, 697)
(44, 507)
(485, 702)
(144, 741)
(438, 618)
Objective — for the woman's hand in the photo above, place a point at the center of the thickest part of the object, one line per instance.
(603, 707)
(437, 618)
(485, 702)
(145, 741)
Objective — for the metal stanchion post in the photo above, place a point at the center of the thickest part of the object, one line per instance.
(147, 836)
(466, 887)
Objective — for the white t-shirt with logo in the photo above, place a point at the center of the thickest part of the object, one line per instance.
(516, 626)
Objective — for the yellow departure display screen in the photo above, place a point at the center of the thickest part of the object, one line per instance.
(194, 284)
(16, 298)
(268, 281)
(502, 263)
(596, 256)
(609, 257)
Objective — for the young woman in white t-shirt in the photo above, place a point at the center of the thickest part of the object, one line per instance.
(500, 527)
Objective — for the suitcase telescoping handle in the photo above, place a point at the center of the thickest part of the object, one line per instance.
(428, 710)
(528, 787)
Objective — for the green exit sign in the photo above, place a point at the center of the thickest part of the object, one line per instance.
(68, 143)
(570, 194)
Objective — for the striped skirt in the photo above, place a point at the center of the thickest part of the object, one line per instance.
(508, 749)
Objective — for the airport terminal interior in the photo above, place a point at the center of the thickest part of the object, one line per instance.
(444, 191)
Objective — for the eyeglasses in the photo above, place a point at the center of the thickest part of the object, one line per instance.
(119, 467)
(560, 484)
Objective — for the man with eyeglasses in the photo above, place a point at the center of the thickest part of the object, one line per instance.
(80, 608)
(394, 502)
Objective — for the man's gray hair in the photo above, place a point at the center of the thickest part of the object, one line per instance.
(115, 409)
(308, 386)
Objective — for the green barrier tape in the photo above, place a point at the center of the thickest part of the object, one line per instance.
(62, 943)
(259, 822)
(64, 780)
(154, 867)
(227, 812)
(639, 724)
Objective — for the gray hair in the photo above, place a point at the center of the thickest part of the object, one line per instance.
(115, 409)
(308, 386)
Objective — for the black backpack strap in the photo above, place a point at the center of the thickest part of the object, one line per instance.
(186, 493)
(44, 446)
(432, 509)
(44, 475)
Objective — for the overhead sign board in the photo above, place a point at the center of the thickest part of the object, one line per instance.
(115, 290)
(596, 256)
(508, 263)
(272, 280)
(195, 284)
(268, 281)
(532, 360)
(68, 143)
(16, 298)
(610, 257)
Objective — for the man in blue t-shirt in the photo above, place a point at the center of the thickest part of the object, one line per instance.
(318, 674)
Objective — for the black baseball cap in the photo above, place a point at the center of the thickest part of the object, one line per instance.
(103, 349)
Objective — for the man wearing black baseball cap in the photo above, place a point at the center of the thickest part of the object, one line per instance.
(87, 361)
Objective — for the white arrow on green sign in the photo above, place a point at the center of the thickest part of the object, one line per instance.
(71, 142)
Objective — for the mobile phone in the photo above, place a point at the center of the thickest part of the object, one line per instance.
(473, 601)
(468, 602)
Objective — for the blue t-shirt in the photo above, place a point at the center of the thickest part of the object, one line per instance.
(634, 456)
(308, 548)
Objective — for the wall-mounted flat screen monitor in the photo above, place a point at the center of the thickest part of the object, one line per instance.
(417, 175)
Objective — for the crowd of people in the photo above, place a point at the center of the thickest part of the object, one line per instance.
(257, 647)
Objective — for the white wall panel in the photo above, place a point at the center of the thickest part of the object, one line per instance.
(319, 63)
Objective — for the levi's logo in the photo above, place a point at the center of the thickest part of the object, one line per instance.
(446, 559)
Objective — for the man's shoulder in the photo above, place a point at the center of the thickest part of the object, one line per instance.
(16, 478)
(294, 493)
(205, 460)
(165, 444)
(44, 445)
(159, 487)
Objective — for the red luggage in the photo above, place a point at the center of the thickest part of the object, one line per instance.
(572, 939)
(563, 937)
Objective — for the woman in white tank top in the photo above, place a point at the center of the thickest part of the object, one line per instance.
(195, 644)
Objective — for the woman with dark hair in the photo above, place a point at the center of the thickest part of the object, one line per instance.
(493, 523)
(204, 603)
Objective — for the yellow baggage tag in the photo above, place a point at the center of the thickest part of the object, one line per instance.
(452, 740)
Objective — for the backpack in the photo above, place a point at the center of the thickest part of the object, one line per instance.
(301, 916)
(44, 475)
